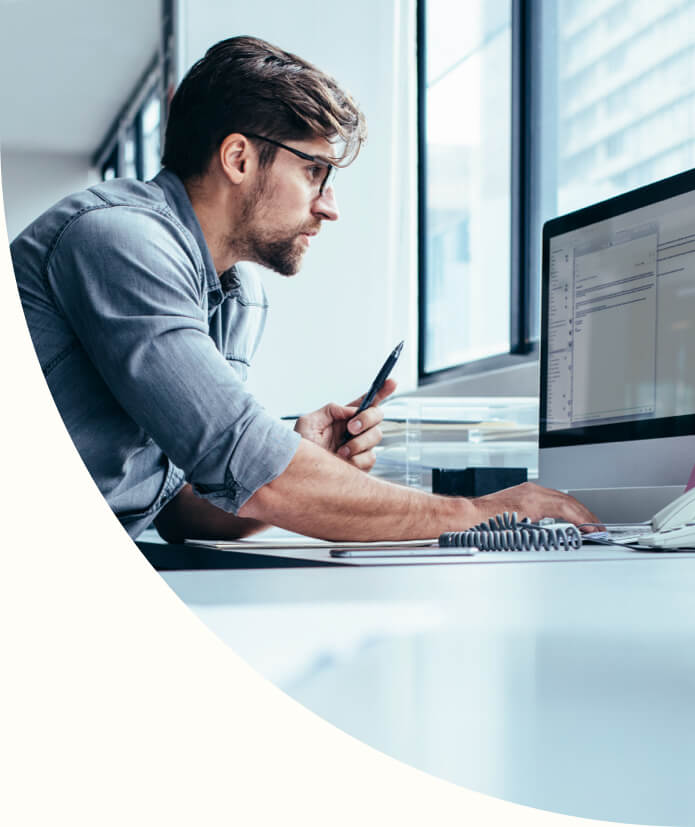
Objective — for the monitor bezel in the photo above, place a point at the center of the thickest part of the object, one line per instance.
(624, 431)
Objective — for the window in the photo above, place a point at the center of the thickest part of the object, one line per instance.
(150, 143)
(467, 132)
(131, 148)
(530, 109)
(110, 165)
(130, 165)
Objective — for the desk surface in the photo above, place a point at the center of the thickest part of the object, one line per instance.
(187, 557)
(567, 686)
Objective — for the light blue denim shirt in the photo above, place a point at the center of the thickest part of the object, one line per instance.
(145, 349)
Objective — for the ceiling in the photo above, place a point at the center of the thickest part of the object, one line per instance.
(68, 66)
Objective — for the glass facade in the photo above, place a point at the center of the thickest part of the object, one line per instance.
(624, 106)
(617, 103)
(612, 105)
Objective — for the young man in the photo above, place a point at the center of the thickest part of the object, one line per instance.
(144, 320)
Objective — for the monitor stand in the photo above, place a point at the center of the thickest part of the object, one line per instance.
(627, 505)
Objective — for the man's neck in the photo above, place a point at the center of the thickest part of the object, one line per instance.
(209, 203)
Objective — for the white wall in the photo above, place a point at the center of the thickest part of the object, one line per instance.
(33, 181)
(331, 326)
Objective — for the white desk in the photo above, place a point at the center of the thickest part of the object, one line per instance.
(568, 686)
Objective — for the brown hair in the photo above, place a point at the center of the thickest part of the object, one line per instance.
(246, 85)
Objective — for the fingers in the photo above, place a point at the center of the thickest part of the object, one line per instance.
(336, 413)
(364, 461)
(359, 450)
(534, 501)
(581, 516)
(364, 421)
(317, 421)
(386, 390)
(359, 444)
(566, 508)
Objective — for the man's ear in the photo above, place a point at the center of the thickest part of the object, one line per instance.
(237, 157)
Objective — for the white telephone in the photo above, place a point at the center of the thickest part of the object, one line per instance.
(672, 527)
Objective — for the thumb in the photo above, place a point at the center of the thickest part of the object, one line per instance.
(340, 413)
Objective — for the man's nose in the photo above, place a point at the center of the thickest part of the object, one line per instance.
(326, 206)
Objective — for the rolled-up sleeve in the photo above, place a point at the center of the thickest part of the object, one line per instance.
(129, 282)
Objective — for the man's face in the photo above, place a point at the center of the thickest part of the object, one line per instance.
(284, 209)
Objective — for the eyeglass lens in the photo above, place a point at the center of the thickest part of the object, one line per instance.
(328, 179)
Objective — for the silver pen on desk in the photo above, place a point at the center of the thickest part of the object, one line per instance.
(395, 551)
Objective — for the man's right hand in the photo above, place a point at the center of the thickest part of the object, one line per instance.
(534, 501)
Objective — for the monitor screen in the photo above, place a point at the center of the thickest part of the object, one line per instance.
(618, 320)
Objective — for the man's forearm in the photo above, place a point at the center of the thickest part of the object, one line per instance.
(323, 496)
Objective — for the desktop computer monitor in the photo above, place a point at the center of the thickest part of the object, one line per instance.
(617, 395)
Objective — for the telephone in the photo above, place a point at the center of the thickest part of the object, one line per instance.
(672, 527)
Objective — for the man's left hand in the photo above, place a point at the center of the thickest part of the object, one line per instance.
(326, 427)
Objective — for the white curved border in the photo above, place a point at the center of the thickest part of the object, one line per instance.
(120, 706)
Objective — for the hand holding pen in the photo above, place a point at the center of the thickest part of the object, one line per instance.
(375, 387)
(327, 426)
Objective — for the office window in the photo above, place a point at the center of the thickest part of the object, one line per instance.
(130, 168)
(132, 147)
(623, 108)
(150, 124)
(110, 165)
(616, 102)
(606, 103)
(468, 181)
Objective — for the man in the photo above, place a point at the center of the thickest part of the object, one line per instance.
(145, 320)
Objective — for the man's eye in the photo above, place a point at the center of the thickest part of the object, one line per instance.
(316, 171)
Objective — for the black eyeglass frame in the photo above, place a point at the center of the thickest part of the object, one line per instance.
(331, 170)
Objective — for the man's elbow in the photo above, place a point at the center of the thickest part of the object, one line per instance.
(170, 531)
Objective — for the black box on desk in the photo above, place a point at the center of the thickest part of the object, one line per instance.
(475, 482)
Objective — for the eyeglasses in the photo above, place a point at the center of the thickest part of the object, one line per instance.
(328, 178)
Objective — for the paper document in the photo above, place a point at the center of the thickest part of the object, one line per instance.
(252, 544)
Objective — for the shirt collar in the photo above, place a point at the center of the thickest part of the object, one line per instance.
(180, 203)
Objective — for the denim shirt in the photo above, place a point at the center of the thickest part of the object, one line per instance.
(145, 348)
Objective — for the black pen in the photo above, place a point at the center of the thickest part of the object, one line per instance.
(381, 377)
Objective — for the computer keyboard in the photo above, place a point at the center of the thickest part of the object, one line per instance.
(619, 535)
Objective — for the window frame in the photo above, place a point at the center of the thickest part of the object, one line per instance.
(524, 70)
(158, 80)
(130, 118)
